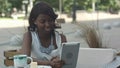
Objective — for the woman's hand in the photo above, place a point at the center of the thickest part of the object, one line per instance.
(56, 62)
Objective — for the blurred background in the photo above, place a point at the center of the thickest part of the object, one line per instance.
(20, 8)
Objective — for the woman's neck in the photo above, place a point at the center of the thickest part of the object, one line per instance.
(44, 36)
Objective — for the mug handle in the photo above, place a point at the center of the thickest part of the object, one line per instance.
(31, 60)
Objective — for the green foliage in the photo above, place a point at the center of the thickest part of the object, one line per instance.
(4, 6)
(107, 4)
(16, 3)
(67, 5)
(103, 7)
(89, 10)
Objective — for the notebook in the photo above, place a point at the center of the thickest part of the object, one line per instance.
(69, 54)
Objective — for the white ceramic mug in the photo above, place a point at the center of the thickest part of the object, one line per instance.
(20, 61)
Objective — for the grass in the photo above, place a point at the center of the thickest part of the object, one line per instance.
(20, 18)
(5, 18)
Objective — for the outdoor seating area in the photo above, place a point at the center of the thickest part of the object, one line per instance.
(60, 34)
(106, 57)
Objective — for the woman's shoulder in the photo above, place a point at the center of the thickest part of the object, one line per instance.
(27, 35)
(63, 37)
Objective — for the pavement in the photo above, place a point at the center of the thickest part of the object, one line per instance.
(11, 27)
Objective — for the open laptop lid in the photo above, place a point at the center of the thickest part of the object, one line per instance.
(69, 54)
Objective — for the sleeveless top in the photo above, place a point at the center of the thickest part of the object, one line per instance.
(42, 53)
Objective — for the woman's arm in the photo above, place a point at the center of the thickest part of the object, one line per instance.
(27, 42)
(39, 62)
(63, 38)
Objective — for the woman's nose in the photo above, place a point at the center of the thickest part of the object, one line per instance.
(47, 23)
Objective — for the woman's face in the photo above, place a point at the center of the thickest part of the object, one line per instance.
(45, 23)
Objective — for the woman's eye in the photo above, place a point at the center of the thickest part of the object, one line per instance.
(42, 21)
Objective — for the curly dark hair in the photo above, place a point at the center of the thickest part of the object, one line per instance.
(40, 8)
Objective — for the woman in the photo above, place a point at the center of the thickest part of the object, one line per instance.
(42, 42)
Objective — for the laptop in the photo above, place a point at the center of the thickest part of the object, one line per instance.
(69, 54)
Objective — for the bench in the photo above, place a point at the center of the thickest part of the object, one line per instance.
(59, 22)
(8, 54)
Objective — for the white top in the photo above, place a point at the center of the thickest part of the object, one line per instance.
(40, 52)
